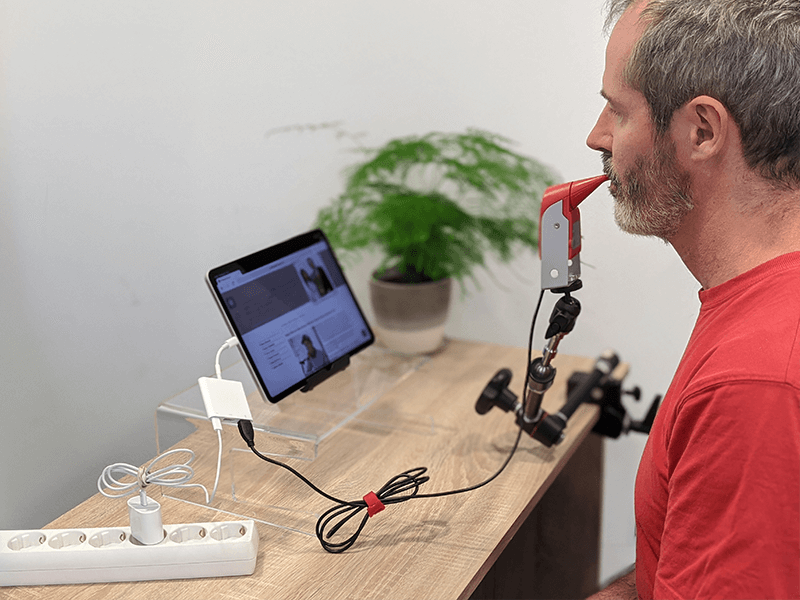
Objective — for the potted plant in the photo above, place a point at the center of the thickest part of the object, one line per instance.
(436, 206)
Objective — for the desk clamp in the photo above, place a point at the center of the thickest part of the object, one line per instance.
(597, 387)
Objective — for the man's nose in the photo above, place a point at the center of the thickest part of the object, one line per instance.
(599, 139)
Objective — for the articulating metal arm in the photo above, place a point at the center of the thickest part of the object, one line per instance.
(598, 386)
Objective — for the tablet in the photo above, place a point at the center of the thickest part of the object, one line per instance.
(295, 316)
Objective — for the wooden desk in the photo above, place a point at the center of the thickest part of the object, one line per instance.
(427, 548)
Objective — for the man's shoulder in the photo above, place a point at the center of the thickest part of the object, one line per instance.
(753, 335)
(766, 355)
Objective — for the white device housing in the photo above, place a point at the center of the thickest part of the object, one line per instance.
(224, 398)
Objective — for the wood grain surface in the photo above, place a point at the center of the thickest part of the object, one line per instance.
(425, 548)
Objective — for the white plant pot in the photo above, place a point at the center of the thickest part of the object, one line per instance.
(410, 317)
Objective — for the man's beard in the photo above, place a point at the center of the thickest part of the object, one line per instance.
(654, 195)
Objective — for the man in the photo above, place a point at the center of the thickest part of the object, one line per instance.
(315, 359)
(320, 279)
(700, 137)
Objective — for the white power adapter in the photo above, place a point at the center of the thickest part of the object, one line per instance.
(146, 525)
(224, 399)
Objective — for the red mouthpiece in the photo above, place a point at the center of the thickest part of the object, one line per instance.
(574, 192)
(579, 190)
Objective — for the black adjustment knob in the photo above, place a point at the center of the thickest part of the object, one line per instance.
(496, 393)
(646, 424)
(636, 392)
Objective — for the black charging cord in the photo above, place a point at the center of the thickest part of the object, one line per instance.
(399, 488)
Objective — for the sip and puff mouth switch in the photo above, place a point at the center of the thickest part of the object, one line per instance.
(83, 555)
(224, 399)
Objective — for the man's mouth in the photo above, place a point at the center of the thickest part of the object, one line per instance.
(608, 170)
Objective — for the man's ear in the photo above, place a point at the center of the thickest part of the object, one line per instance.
(705, 124)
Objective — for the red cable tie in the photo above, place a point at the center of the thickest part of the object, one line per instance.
(374, 505)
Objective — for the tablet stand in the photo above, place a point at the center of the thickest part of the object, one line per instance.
(295, 428)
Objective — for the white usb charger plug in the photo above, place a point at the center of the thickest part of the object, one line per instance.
(145, 519)
(121, 479)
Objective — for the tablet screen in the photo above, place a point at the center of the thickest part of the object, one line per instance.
(292, 311)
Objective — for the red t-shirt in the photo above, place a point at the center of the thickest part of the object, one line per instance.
(718, 488)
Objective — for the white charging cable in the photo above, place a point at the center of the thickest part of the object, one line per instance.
(215, 421)
(231, 343)
(222, 398)
(173, 475)
(144, 512)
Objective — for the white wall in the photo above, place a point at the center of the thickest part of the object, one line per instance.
(143, 143)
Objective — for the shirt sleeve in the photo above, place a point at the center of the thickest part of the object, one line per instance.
(732, 527)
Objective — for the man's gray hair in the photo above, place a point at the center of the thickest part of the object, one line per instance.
(744, 53)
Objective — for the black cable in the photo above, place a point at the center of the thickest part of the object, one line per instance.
(530, 349)
(399, 488)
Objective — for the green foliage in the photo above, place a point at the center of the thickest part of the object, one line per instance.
(436, 205)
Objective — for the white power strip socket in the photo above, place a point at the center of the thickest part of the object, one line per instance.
(81, 555)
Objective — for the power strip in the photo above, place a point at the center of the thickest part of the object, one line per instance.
(58, 556)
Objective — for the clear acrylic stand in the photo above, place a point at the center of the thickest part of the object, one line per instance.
(294, 428)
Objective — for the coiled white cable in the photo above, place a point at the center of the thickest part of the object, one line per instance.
(173, 475)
